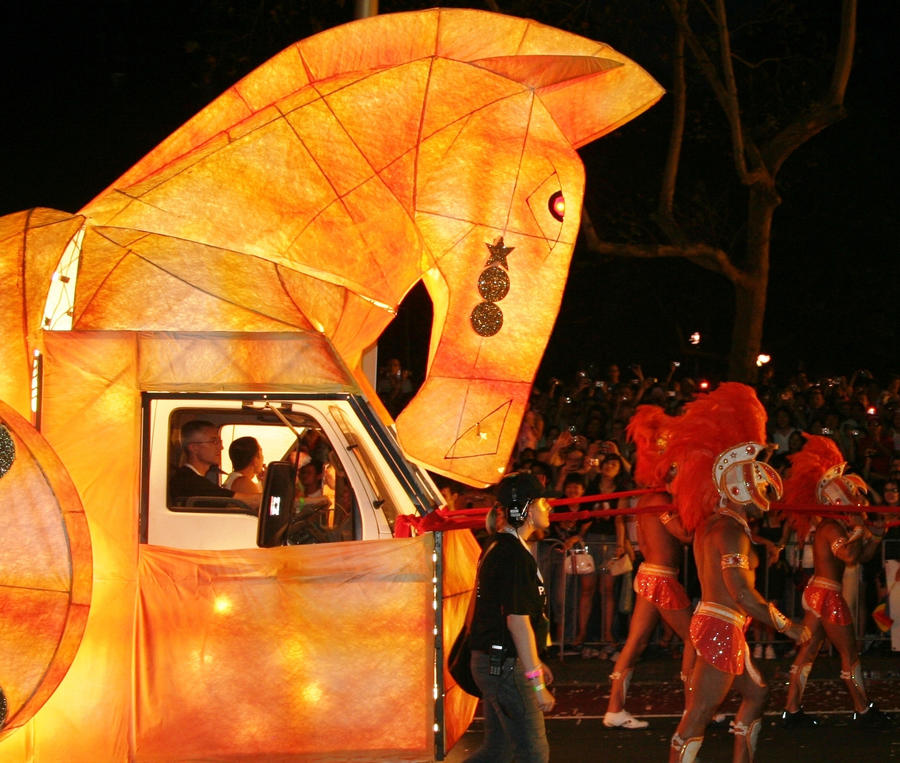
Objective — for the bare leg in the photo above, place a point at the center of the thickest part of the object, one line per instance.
(710, 687)
(680, 622)
(585, 604)
(643, 620)
(665, 639)
(746, 724)
(844, 640)
(608, 601)
(806, 656)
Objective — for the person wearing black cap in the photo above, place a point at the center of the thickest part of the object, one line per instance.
(508, 623)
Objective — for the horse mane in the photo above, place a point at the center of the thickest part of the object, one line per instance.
(728, 415)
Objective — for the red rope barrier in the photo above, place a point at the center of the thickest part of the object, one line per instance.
(473, 518)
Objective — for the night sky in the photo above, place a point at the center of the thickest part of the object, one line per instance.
(89, 88)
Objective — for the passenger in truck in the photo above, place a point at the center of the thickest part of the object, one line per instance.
(202, 448)
(248, 468)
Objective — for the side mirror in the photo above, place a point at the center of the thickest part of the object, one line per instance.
(276, 507)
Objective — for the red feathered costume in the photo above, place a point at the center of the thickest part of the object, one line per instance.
(711, 424)
(809, 470)
(650, 429)
(818, 455)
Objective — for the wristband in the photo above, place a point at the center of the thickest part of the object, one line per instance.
(536, 673)
(540, 687)
(779, 621)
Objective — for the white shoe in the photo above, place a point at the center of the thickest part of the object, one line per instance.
(623, 720)
(770, 652)
(757, 652)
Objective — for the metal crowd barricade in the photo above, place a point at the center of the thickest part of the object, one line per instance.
(551, 543)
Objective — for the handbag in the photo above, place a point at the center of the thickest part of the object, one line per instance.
(459, 660)
(459, 663)
(619, 565)
(579, 562)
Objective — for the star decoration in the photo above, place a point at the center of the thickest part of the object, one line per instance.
(499, 252)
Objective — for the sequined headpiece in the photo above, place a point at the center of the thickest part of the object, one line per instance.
(740, 478)
(708, 430)
(817, 476)
(839, 489)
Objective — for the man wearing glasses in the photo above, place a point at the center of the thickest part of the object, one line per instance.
(202, 448)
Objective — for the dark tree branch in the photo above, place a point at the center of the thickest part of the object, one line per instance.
(666, 205)
(708, 257)
(788, 140)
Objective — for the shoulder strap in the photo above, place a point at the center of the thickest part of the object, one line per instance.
(470, 612)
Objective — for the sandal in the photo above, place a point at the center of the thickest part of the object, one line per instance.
(588, 652)
(609, 652)
(623, 720)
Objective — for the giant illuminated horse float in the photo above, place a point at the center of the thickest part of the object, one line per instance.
(310, 197)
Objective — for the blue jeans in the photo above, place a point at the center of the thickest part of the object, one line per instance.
(513, 722)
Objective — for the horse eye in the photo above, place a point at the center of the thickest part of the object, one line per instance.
(557, 206)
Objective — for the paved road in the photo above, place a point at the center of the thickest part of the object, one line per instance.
(576, 731)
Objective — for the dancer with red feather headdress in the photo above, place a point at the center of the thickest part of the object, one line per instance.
(817, 476)
(718, 484)
(659, 593)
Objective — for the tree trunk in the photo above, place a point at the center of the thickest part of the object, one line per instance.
(750, 287)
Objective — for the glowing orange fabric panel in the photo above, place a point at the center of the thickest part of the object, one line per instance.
(221, 361)
(31, 244)
(286, 651)
(45, 569)
(460, 555)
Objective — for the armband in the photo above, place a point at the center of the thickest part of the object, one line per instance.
(779, 621)
(666, 517)
(735, 560)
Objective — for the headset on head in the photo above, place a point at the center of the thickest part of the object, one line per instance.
(516, 513)
(515, 494)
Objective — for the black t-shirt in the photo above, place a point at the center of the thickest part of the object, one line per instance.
(186, 483)
(507, 584)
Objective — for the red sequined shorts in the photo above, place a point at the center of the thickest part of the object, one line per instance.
(717, 634)
(659, 585)
(824, 598)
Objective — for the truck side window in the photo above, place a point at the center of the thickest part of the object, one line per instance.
(322, 490)
(324, 502)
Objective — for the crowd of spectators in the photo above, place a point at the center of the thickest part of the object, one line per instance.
(573, 436)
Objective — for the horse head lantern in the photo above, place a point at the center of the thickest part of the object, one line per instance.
(313, 194)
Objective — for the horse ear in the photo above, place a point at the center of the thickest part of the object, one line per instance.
(540, 72)
(587, 95)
